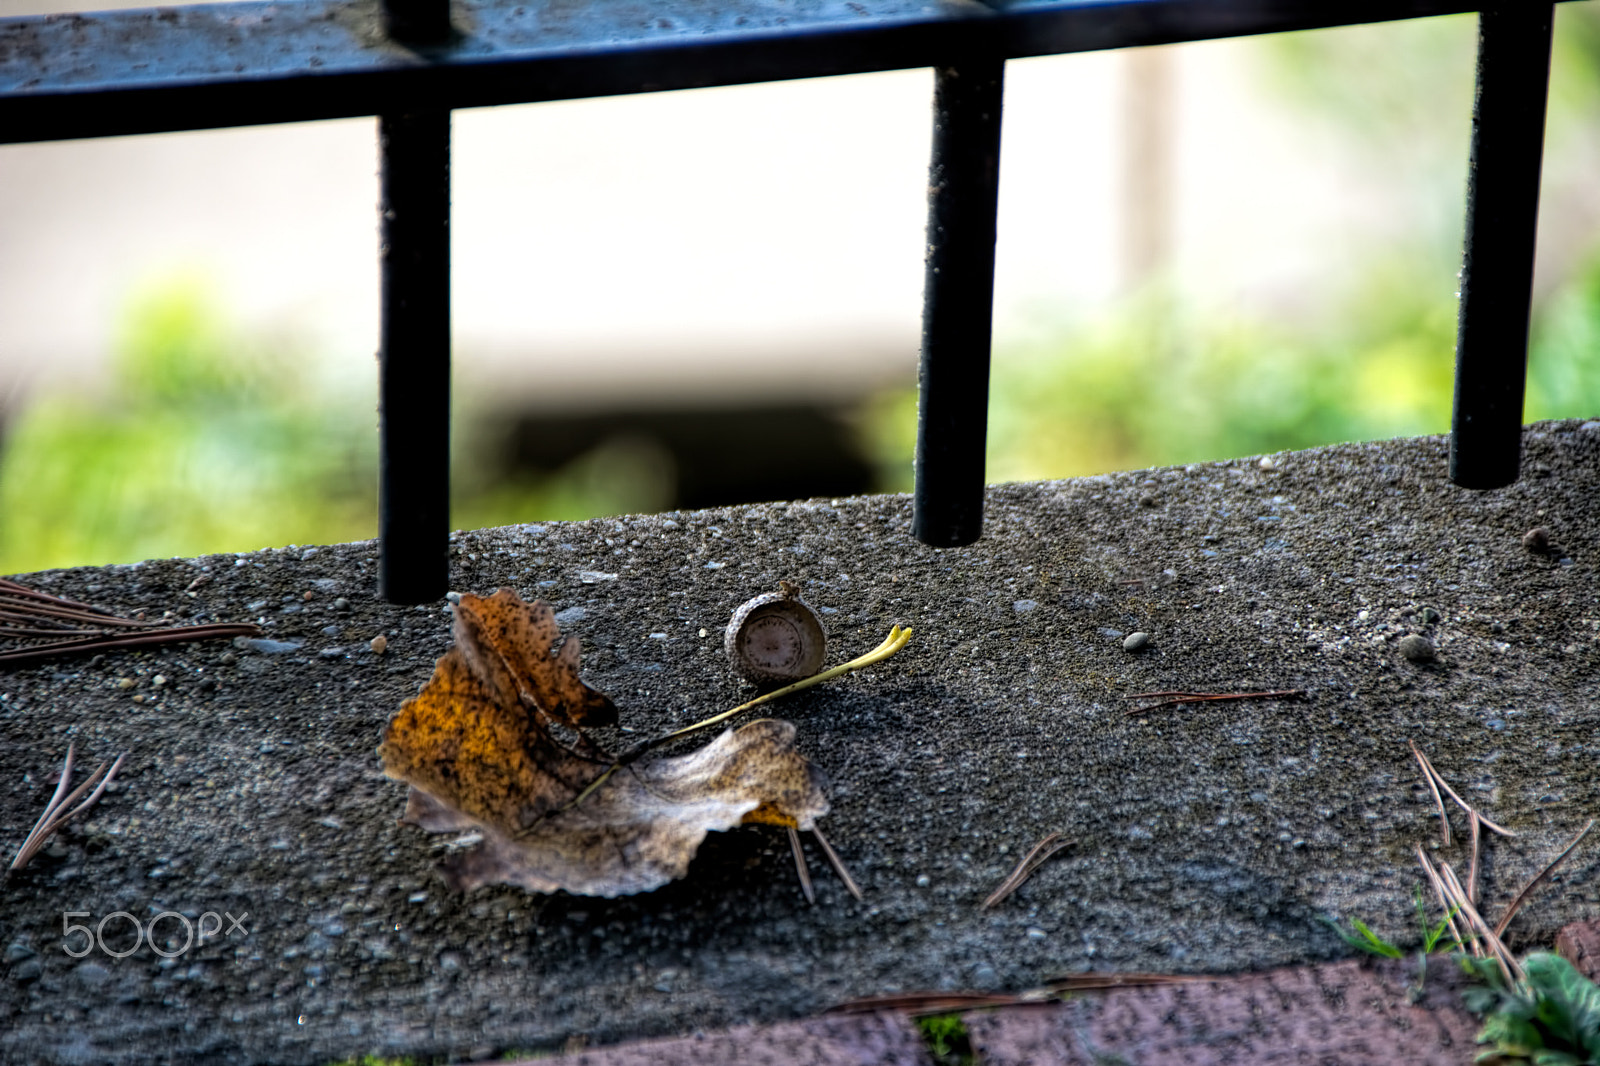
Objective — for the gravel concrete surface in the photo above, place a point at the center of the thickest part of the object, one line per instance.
(1208, 838)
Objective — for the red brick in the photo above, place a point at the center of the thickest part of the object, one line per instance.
(1339, 1014)
(1579, 944)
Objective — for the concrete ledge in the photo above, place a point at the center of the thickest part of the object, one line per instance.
(1209, 839)
(839, 1040)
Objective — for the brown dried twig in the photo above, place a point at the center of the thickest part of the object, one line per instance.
(59, 811)
(1427, 768)
(1458, 896)
(39, 626)
(1435, 782)
(1444, 902)
(1427, 777)
(838, 864)
(1546, 872)
(1175, 699)
(1030, 862)
(800, 866)
(917, 1003)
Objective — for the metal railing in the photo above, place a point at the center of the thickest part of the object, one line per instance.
(411, 61)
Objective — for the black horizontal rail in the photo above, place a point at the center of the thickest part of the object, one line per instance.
(251, 63)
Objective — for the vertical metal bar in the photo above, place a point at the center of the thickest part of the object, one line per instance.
(417, 21)
(958, 303)
(414, 358)
(1497, 263)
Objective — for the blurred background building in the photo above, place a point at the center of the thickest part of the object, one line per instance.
(696, 298)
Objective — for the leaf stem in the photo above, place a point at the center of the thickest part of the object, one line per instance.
(896, 640)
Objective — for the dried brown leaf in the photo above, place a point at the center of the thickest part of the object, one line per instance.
(480, 748)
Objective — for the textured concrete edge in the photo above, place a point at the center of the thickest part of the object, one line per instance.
(1349, 1013)
(830, 1040)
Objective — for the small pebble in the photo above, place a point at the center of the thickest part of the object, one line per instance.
(330, 653)
(125, 683)
(1135, 641)
(138, 698)
(1416, 648)
(379, 645)
(270, 647)
(159, 680)
(1430, 616)
(308, 595)
(227, 658)
(341, 604)
(1537, 540)
(923, 881)
(453, 597)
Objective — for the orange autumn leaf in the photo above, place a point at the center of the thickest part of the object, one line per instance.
(495, 742)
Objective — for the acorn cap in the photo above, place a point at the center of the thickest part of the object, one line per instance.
(776, 637)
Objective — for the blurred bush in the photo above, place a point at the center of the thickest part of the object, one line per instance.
(199, 441)
(1150, 383)
(203, 441)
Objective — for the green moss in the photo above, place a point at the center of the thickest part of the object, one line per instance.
(947, 1040)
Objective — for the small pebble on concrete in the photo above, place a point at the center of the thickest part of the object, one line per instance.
(380, 644)
(1537, 540)
(1418, 649)
(1135, 641)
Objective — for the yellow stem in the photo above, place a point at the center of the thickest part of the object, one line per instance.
(896, 640)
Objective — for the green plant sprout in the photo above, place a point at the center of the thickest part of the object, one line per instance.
(946, 1038)
(1552, 1020)
(1365, 940)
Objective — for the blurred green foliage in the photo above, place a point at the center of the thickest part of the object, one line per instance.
(1150, 383)
(203, 441)
(198, 441)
